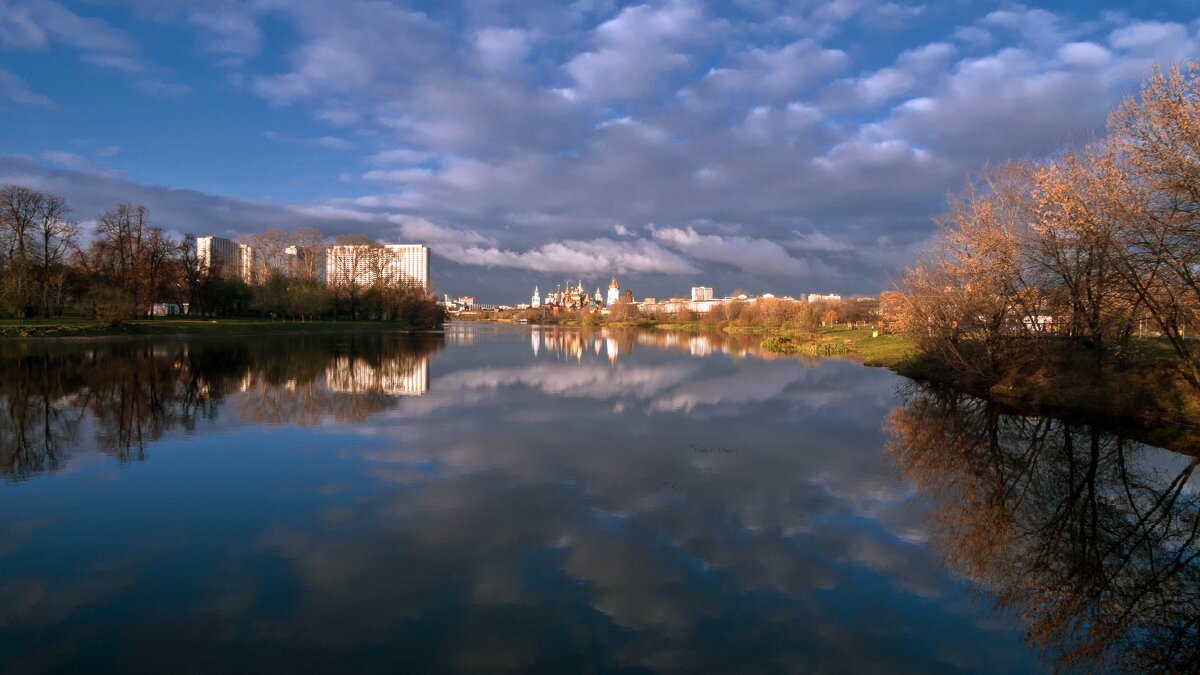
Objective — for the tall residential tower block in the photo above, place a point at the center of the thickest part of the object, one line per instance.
(370, 264)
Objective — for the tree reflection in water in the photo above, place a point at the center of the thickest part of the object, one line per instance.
(1085, 533)
(126, 395)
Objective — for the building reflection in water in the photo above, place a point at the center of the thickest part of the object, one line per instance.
(613, 342)
(397, 377)
(1089, 535)
(121, 396)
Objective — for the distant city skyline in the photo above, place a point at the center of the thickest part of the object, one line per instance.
(768, 145)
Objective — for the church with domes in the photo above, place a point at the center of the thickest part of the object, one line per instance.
(568, 296)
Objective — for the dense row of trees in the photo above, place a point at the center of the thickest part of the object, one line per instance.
(774, 313)
(792, 314)
(1090, 248)
(48, 267)
(36, 240)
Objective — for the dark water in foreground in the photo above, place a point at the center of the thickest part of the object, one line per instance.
(515, 499)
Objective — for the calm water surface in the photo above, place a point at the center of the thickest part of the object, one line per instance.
(519, 499)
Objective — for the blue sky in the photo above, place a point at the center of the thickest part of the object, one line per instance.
(782, 145)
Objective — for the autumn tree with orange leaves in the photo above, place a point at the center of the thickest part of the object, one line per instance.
(1088, 249)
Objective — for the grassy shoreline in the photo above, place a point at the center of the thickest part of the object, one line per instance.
(38, 329)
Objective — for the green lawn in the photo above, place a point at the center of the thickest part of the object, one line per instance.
(888, 350)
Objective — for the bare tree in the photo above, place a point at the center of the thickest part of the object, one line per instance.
(19, 209)
(1155, 138)
(132, 255)
(968, 296)
(351, 263)
(56, 236)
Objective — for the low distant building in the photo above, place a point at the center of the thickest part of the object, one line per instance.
(467, 301)
(165, 309)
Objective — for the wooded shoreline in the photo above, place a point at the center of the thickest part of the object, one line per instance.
(166, 327)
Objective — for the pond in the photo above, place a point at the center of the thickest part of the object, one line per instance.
(502, 498)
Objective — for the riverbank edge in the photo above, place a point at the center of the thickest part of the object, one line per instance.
(37, 331)
(1152, 398)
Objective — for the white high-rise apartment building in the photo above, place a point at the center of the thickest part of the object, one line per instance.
(225, 256)
(824, 297)
(368, 264)
(701, 293)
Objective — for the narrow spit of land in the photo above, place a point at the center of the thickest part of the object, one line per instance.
(83, 328)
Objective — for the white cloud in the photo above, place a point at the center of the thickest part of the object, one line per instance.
(586, 257)
(501, 49)
(1150, 36)
(418, 229)
(1084, 54)
(348, 48)
(779, 72)
(398, 156)
(17, 90)
(636, 49)
(748, 254)
(66, 159)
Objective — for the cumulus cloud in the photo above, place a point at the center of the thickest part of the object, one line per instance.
(1084, 54)
(745, 253)
(637, 48)
(591, 258)
(501, 48)
(419, 229)
(349, 47)
(781, 72)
